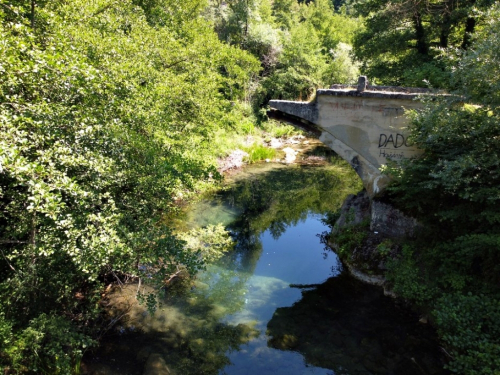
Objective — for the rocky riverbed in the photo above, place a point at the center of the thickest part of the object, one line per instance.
(298, 149)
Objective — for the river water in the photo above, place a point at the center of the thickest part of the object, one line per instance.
(279, 303)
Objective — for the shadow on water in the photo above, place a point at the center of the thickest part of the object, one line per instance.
(217, 323)
(352, 328)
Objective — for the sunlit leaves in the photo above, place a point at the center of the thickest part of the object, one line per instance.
(107, 111)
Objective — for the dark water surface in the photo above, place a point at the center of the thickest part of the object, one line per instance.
(280, 303)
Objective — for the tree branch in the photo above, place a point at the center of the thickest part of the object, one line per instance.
(10, 242)
(10, 265)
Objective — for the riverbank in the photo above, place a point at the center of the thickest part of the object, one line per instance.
(296, 149)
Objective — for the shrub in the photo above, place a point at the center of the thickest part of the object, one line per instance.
(50, 344)
(409, 279)
(468, 324)
(258, 152)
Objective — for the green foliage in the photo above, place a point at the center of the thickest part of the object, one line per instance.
(469, 326)
(281, 130)
(385, 247)
(342, 68)
(409, 279)
(403, 42)
(300, 45)
(348, 239)
(49, 345)
(479, 69)
(350, 236)
(247, 127)
(107, 111)
(258, 152)
(458, 169)
(453, 188)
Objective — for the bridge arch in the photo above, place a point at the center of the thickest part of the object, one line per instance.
(366, 125)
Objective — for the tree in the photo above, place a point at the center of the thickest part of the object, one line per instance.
(454, 189)
(107, 114)
(403, 40)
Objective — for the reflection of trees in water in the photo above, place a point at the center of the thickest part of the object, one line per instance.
(197, 342)
(351, 328)
(280, 198)
(273, 200)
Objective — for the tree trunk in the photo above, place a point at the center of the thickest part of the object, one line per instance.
(422, 46)
(32, 15)
(445, 32)
(470, 26)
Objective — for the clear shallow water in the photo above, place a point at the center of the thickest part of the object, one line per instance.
(278, 304)
(296, 257)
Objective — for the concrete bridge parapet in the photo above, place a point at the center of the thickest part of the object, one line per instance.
(366, 125)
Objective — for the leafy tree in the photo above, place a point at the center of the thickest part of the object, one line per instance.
(106, 116)
(403, 40)
(453, 188)
(311, 54)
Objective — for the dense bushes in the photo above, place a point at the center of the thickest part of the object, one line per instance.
(106, 115)
(454, 188)
(469, 325)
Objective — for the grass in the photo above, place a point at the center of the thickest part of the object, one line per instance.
(277, 129)
(258, 152)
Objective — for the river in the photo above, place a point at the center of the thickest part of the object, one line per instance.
(279, 303)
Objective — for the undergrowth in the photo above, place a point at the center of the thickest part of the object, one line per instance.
(258, 152)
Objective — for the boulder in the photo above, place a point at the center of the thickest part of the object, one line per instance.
(354, 211)
(390, 222)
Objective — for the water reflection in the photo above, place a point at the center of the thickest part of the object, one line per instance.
(351, 328)
(241, 316)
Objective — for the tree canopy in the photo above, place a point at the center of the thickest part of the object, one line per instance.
(403, 42)
(107, 111)
(454, 188)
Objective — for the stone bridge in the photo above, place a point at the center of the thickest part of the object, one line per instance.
(365, 125)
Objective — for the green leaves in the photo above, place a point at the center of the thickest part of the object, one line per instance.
(469, 325)
(108, 111)
(454, 188)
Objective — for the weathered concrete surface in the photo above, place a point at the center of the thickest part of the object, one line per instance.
(305, 110)
(365, 125)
